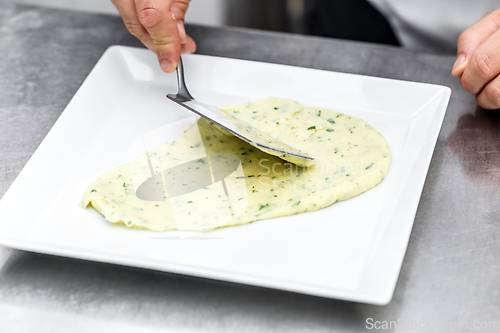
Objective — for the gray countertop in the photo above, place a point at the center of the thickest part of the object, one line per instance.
(451, 271)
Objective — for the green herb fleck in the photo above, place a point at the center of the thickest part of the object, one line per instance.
(329, 130)
(311, 128)
(296, 204)
(93, 191)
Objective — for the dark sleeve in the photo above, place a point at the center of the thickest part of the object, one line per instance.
(349, 19)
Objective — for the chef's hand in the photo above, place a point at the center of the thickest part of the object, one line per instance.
(478, 60)
(159, 24)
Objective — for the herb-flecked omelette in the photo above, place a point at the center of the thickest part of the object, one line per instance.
(351, 157)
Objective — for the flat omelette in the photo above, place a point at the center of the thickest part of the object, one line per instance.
(209, 179)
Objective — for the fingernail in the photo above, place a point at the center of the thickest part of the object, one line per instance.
(460, 60)
(166, 65)
(182, 32)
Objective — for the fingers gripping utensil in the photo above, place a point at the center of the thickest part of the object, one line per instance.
(260, 139)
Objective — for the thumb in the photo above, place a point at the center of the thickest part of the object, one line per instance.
(156, 17)
(471, 38)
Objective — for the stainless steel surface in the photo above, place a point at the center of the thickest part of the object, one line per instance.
(451, 270)
(253, 135)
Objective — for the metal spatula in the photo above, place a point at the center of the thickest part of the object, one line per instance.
(260, 139)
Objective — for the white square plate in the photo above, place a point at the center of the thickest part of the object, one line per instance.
(351, 250)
